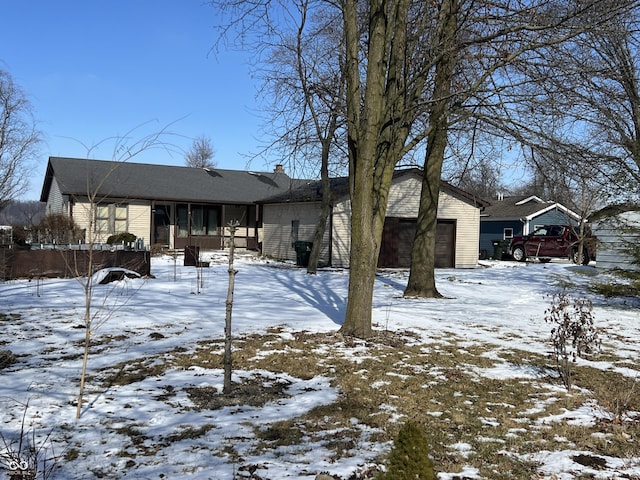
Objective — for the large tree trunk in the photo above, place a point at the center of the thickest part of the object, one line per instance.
(422, 282)
(422, 278)
(363, 255)
(364, 120)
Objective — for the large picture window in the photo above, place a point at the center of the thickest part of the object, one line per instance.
(204, 220)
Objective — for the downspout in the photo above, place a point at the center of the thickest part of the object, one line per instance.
(330, 237)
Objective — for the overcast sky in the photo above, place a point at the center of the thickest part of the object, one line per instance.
(96, 70)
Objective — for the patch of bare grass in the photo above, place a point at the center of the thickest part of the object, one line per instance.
(469, 418)
(255, 392)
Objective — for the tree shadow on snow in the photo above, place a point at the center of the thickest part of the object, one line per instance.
(315, 291)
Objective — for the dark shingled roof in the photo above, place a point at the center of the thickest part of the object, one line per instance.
(311, 191)
(78, 177)
(507, 208)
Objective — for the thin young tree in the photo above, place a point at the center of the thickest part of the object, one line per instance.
(228, 358)
(84, 262)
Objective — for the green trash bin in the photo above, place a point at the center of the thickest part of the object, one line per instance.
(303, 251)
(500, 248)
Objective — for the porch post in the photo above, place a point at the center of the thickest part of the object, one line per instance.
(222, 224)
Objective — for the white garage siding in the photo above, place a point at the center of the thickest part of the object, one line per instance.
(404, 197)
(341, 237)
(467, 219)
(277, 229)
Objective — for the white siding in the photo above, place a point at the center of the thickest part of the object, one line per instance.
(138, 219)
(341, 238)
(404, 197)
(467, 219)
(277, 233)
(612, 239)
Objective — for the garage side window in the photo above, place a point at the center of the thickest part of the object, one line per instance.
(508, 234)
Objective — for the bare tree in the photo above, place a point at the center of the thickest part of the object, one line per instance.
(576, 106)
(481, 179)
(301, 66)
(19, 139)
(201, 153)
(478, 43)
(411, 69)
(88, 207)
(24, 213)
(228, 359)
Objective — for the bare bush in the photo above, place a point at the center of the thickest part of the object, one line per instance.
(573, 334)
(58, 228)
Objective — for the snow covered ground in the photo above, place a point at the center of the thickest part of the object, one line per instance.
(500, 304)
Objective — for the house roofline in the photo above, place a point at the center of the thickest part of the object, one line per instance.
(551, 207)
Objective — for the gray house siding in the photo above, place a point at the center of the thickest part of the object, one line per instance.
(614, 235)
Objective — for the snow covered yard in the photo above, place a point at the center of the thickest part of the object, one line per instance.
(474, 368)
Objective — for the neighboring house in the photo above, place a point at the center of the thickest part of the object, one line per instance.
(293, 217)
(166, 206)
(521, 215)
(617, 229)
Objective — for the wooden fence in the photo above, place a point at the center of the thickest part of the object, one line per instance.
(66, 263)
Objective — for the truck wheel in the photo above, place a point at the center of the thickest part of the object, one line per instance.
(518, 254)
(583, 260)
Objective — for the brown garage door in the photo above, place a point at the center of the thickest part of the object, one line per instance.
(445, 244)
(397, 241)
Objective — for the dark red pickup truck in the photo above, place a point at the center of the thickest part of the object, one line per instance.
(551, 241)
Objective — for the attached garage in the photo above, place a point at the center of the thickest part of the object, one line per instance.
(457, 235)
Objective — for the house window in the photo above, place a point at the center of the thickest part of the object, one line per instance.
(111, 218)
(204, 220)
(508, 233)
(182, 220)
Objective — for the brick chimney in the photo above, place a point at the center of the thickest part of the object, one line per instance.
(279, 168)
